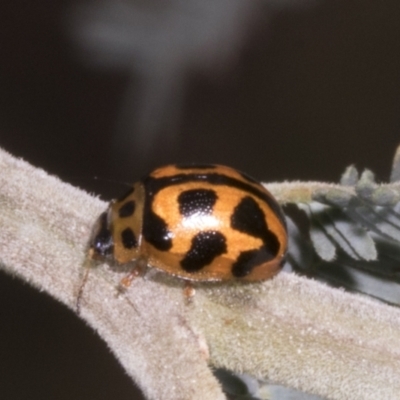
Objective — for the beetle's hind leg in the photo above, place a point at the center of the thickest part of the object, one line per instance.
(138, 269)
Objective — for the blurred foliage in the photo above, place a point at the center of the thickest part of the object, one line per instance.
(349, 235)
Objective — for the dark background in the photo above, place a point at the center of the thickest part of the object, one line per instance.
(309, 91)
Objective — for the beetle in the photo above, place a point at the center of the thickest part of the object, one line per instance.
(196, 222)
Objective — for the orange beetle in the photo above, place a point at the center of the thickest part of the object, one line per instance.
(197, 222)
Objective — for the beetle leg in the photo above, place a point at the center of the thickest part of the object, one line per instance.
(189, 291)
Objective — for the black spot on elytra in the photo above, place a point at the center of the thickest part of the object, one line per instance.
(155, 231)
(128, 238)
(249, 259)
(101, 242)
(195, 166)
(126, 194)
(248, 218)
(156, 184)
(196, 201)
(205, 247)
(127, 209)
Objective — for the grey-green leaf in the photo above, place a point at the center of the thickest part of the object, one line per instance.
(395, 175)
(300, 250)
(376, 220)
(320, 215)
(350, 176)
(356, 235)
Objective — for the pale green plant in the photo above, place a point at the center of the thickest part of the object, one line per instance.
(291, 330)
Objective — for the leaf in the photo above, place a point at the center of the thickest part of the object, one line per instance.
(333, 196)
(350, 176)
(356, 235)
(356, 278)
(322, 244)
(374, 219)
(300, 250)
(319, 212)
(395, 175)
